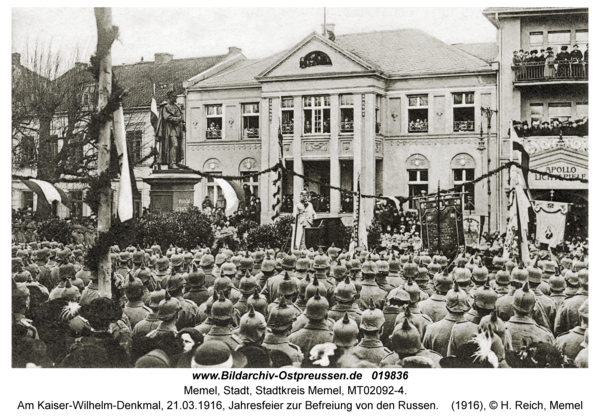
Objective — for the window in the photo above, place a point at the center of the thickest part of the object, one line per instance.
(214, 121)
(417, 184)
(27, 200)
(560, 111)
(536, 39)
(582, 109)
(88, 97)
(287, 115)
(76, 210)
(315, 58)
(134, 144)
(418, 113)
(28, 150)
(581, 38)
(287, 185)
(250, 184)
(316, 114)
(346, 113)
(214, 192)
(377, 114)
(319, 171)
(461, 176)
(537, 112)
(557, 39)
(250, 120)
(464, 111)
(51, 148)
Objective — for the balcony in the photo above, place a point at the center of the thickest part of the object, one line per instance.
(250, 133)
(464, 125)
(542, 73)
(535, 145)
(418, 126)
(213, 133)
(347, 127)
(287, 127)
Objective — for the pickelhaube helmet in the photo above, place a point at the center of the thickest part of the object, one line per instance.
(442, 281)
(220, 259)
(457, 299)
(566, 262)
(498, 262)
(394, 264)
(410, 269)
(333, 252)
(247, 283)
(339, 272)
(302, 264)
(236, 260)
(578, 265)
(222, 308)
(138, 256)
(162, 263)
(494, 323)
(174, 282)
(510, 265)
(583, 276)
(134, 288)
(228, 269)
(486, 297)
(316, 307)
(198, 257)
(268, 265)
(480, 273)
(413, 291)
(289, 262)
(382, 267)
(422, 275)
(399, 295)
(196, 277)
(534, 275)
(252, 326)
(168, 307)
(66, 271)
(462, 275)
(369, 267)
(557, 282)
(187, 257)
(281, 316)
(69, 292)
(287, 286)
(345, 332)
(372, 319)
(571, 278)
(524, 299)
(259, 256)
(321, 262)
(223, 284)
(356, 265)
(519, 274)
(425, 260)
(502, 277)
(442, 261)
(155, 298)
(312, 288)
(406, 338)
(259, 302)
(345, 291)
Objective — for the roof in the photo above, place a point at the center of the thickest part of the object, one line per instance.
(407, 52)
(487, 51)
(139, 78)
(525, 9)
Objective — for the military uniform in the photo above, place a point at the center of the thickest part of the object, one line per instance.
(547, 305)
(419, 320)
(290, 304)
(272, 285)
(390, 313)
(524, 328)
(311, 335)
(224, 335)
(205, 326)
(188, 315)
(143, 327)
(569, 343)
(567, 316)
(281, 343)
(434, 307)
(136, 311)
(395, 280)
(339, 309)
(394, 358)
(302, 320)
(89, 294)
(371, 350)
(437, 336)
(197, 294)
(370, 290)
(558, 299)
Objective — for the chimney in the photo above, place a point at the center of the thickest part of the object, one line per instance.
(330, 33)
(162, 58)
(16, 59)
(235, 50)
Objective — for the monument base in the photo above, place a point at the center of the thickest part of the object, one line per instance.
(171, 189)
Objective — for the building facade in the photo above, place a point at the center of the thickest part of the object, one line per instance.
(553, 92)
(399, 110)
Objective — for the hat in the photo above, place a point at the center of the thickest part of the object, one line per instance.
(222, 308)
(345, 332)
(345, 290)
(252, 326)
(457, 300)
(156, 359)
(155, 298)
(564, 48)
(216, 354)
(316, 307)
(406, 338)
(584, 309)
(372, 319)
(281, 316)
(399, 294)
(524, 299)
(174, 282)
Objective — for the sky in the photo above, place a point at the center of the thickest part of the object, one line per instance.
(259, 32)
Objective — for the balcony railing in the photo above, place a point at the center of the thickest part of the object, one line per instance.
(464, 125)
(250, 133)
(287, 128)
(559, 70)
(213, 133)
(347, 126)
(417, 126)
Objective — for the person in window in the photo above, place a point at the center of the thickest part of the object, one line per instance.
(526, 131)
(563, 58)
(516, 59)
(206, 203)
(326, 126)
(307, 127)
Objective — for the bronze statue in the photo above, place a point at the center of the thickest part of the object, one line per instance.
(172, 127)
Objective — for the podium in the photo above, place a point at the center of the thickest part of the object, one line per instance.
(171, 190)
(326, 231)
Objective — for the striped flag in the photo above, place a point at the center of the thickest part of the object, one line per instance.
(517, 145)
(154, 115)
(47, 191)
(125, 203)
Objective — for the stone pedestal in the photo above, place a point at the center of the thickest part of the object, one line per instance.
(171, 189)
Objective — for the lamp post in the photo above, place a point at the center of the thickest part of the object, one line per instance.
(488, 113)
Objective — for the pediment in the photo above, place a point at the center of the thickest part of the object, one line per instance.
(316, 55)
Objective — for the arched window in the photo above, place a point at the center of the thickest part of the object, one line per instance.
(315, 58)
(463, 171)
(417, 167)
(213, 191)
(248, 169)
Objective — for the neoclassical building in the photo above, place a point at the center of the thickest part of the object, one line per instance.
(401, 110)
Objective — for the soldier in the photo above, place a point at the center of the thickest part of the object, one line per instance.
(267, 270)
(279, 324)
(572, 283)
(437, 336)
(321, 267)
(370, 347)
(569, 343)
(207, 264)
(168, 308)
(188, 315)
(435, 306)
(422, 281)
(316, 331)
(406, 344)
(258, 257)
(567, 316)
(545, 313)
(504, 305)
(65, 273)
(521, 325)
(310, 292)
(383, 270)
(288, 288)
(340, 273)
(418, 319)
(345, 333)
(272, 284)
(205, 321)
(134, 309)
(221, 313)
(397, 301)
(151, 322)
(259, 302)
(90, 292)
(44, 276)
(162, 271)
(557, 288)
(252, 329)
(370, 288)
(463, 331)
(20, 305)
(195, 290)
(345, 292)
(393, 277)
(581, 361)
(247, 287)
(502, 283)
(224, 284)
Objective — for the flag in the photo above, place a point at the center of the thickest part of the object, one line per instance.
(125, 200)
(231, 195)
(550, 222)
(518, 216)
(154, 118)
(394, 200)
(47, 191)
(517, 145)
(156, 121)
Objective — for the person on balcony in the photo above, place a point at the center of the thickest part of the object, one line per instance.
(545, 131)
(586, 58)
(555, 129)
(576, 58)
(526, 130)
(563, 58)
(549, 70)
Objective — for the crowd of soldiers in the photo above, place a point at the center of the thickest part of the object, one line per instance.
(302, 309)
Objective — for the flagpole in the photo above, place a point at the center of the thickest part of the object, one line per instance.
(325, 22)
